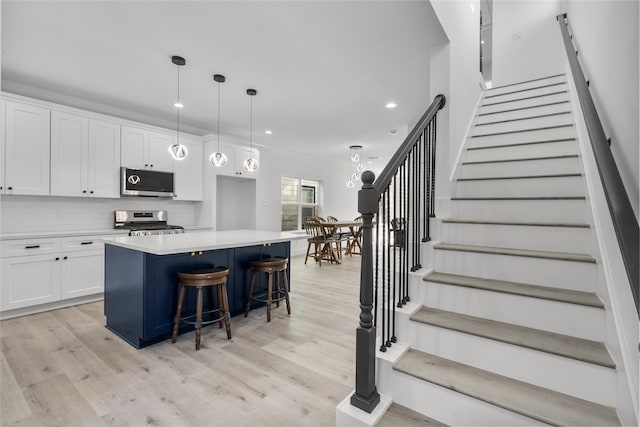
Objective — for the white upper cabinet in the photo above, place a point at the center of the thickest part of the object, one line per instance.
(3, 126)
(236, 155)
(85, 156)
(69, 154)
(188, 173)
(142, 149)
(104, 159)
(27, 149)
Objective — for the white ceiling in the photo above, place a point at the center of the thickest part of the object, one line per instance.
(323, 70)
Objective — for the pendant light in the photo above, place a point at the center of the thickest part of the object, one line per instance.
(354, 157)
(251, 164)
(218, 158)
(177, 150)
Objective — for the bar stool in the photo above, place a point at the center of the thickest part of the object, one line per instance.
(277, 265)
(200, 279)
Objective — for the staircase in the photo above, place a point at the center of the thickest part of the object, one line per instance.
(505, 328)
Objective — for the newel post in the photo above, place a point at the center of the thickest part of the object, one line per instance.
(366, 396)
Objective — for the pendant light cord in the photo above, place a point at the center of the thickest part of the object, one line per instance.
(178, 111)
(218, 117)
(251, 130)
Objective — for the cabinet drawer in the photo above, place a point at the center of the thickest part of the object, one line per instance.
(11, 248)
(82, 243)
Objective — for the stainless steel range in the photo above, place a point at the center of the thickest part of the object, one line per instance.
(145, 223)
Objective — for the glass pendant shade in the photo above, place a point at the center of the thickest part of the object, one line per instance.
(251, 164)
(355, 176)
(218, 159)
(350, 183)
(355, 157)
(360, 167)
(178, 151)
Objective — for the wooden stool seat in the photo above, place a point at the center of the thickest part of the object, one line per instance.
(201, 279)
(277, 265)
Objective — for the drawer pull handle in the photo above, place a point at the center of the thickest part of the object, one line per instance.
(32, 247)
(86, 243)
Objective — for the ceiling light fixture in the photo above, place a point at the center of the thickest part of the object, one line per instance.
(391, 105)
(218, 158)
(354, 157)
(393, 132)
(177, 150)
(268, 132)
(251, 164)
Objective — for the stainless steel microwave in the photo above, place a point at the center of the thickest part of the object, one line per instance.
(146, 183)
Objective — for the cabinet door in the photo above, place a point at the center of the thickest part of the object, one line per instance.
(82, 273)
(29, 280)
(2, 144)
(161, 293)
(229, 168)
(188, 173)
(69, 154)
(158, 151)
(133, 146)
(242, 154)
(104, 159)
(242, 273)
(27, 149)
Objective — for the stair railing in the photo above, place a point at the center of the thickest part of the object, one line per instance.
(624, 220)
(402, 200)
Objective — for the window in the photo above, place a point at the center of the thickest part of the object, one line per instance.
(299, 199)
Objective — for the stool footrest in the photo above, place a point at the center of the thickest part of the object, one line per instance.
(263, 297)
(207, 322)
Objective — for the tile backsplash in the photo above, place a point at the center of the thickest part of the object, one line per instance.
(25, 214)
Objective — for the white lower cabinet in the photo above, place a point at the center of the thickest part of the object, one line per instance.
(40, 271)
(29, 280)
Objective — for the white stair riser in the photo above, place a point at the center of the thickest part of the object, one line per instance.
(521, 151)
(526, 167)
(535, 110)
(527, 85)
(445, 405)
(493, 127)
(534, 187)
(580, 379)
(559, 317)
(521, 210)
(516, 93)
(520, 104)
(557, 239)
(579, 276)
(519, 137)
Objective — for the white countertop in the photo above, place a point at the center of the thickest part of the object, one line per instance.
(201, 241)
(74, 233)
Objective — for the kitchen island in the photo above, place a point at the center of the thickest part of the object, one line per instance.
(141, 289)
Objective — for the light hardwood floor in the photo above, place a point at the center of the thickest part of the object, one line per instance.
(65, 368)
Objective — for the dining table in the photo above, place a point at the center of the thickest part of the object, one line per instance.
(354, 247)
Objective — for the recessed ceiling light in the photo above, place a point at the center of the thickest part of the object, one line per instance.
(178, 105)
(268, 132)
(391, 105)
(393, 132)
(481, 41)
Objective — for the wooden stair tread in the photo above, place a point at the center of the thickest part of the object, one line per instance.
(526, 89)
(516, 223)
(563, 256)
(522, 159)
(525, 81)
(518, 144)
(549, 342)
(526, 399)
(494, 178)
(523, 289)
(398, 415)
(522, 130)
(510, 110)
(541, 116)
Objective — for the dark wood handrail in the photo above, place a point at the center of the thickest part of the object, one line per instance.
(384, 179)
(624, 220)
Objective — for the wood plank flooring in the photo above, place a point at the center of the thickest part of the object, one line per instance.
(64, 368)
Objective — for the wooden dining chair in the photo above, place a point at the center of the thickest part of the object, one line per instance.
(356, 239)
(311, 226)
(341, 235)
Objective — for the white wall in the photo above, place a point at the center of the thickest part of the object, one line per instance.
(235, 203)
(455, 72)
(606, 36)
(525, 40)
